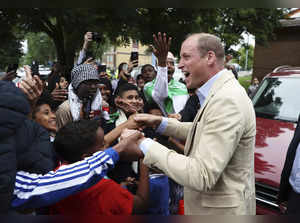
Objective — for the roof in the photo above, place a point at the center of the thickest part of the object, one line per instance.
(285, 70)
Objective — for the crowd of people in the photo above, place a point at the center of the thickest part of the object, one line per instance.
(68, 122)
(150, 145)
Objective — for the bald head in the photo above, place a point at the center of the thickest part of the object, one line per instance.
(207, 42)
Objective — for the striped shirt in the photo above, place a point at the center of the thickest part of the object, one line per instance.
(35, 190)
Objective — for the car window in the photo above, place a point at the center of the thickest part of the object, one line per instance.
(277, 98)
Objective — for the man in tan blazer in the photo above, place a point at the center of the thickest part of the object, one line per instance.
(217, 168)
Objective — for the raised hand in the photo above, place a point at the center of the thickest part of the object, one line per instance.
(9, 76)
(90, 61)
(88, 38)
(125, 106)
(59, 94)
(31, 86)
(131, 65)
(161, 48)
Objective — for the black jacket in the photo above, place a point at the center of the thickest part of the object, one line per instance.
(285, 186)
(24, 145)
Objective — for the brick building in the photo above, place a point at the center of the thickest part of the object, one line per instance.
(285, 50)
(116, 55)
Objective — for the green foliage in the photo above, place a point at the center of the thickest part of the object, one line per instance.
(227, 23)
(10, 47)
(98, 49)
(40, 48)
(259, 22)
(245, 81)
(241, 58)
(66, 27)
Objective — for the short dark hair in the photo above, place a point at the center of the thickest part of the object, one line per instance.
(146, 65)
(150, 106)
(75, 139)
(140, 76)
(45, 99)
(107, 83)
(125, 87)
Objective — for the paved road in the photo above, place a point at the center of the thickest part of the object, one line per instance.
(244, 73)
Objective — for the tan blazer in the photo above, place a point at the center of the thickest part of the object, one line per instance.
(217, 168)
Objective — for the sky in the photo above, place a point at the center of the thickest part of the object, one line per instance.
(24, 46)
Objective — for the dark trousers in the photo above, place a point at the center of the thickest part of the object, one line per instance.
(293, 206)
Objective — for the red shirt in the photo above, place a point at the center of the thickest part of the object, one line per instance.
(104, 198)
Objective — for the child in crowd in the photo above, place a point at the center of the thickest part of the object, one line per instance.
(165, 193)
(127, 100)
(78, 140)
(43, 114)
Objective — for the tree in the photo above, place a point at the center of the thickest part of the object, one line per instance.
(66, 27)
(40, 48)
(10, 47)
(227, 23)
(241, 59)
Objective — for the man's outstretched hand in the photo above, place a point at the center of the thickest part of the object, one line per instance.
(128, 147)
(148, 120)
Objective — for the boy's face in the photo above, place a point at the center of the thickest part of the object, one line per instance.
(140, 83)
(129, 102)
(148, 74)
(105, 92)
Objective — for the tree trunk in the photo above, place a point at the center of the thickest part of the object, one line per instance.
(70, 55)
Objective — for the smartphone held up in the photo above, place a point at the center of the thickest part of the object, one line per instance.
(134, 57)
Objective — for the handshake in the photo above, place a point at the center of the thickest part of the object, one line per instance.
(131, 137)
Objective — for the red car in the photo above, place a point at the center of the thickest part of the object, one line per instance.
(277, 108)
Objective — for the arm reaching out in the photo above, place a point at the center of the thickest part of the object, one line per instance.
(34, 190)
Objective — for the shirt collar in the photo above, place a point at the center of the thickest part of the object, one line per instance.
(203, 91)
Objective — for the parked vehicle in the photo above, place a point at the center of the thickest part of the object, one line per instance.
(277, 108)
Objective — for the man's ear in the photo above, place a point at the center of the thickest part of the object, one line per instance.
(211, 58)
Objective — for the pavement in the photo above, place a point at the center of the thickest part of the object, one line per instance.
(244, 73)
